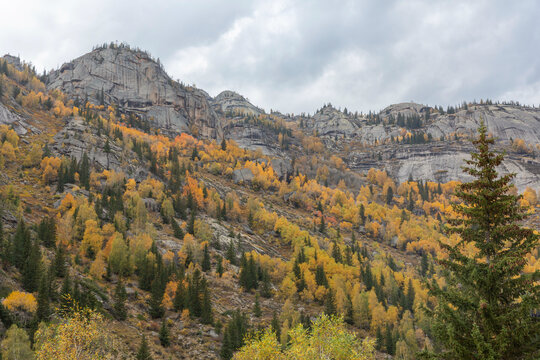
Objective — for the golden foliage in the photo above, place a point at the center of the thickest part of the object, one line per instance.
(20, 301)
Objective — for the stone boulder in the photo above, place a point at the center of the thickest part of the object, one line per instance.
(244, 175)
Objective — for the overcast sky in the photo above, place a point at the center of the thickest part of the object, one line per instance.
(294, 56)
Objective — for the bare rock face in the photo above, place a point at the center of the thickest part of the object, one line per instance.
(242, 175)
(505, 122)
(229, 101)
(135, 82)
(329, 121)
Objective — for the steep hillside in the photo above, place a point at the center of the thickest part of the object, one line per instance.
(189, 242)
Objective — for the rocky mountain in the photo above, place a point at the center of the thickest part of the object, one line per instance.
(230, 101)
(136, 83)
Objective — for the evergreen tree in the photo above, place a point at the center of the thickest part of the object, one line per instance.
(424, 264)
(144, 350)
(156, 310)
(107, 150)
(379, 339)
(164, 335)
(32, 268)
(179, 301)
(257, 307)
(389, 195)
(389, 341)
(322, 225)
(191, 223)
(485, 311)
(178, 233)
(233, 337)
(219, 267)
(43, 310)
(194, 293)
(410, 296)
(84, 171)
(61, 179)
(276, 327)
(21, 245)
(330, 303)
(320, 276)
(231, 253)
(223, 144)
(266, 287)
(205, 265)
(60, 261)
(120, 296)
(206, 313)
(47, 231)
(4, 245)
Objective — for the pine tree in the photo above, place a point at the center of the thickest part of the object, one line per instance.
(179, 301)
(120, 296)
(410, 296)
(223, 144)
(4, 246)
(206, 312)
(320, 276)
(47, 231)
(233, 337)
(424, 264)
(485, 311)
(231, 253)
(266, 287)
(219, 267)
(330, 303)
(61, 179)
(389, 195)
(144, 350)
(257, 307)
(191, 223)
(389, 341)
(205, 265)
(194, 293)
(276, 327)
(32, 268)
(60, 261)
(21, 245)
(84, 171)
(178, 233)
(43, 310)
(322, 226)
(155, 308)
(164, 335)
(107, 150)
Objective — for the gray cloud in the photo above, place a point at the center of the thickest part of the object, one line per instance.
(296, 55)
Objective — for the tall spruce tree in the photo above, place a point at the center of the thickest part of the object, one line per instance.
(205, 265)
(486, 310)
(164, 334)
(32, 268)
(21, 245)
(144, 350)
(120, 296)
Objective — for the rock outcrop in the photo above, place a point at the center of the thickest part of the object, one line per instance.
(135, 82)
(329, 121)
(231, 102)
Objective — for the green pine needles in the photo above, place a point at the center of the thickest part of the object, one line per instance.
(486, 309)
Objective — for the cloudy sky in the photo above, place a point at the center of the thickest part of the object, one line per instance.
(296, 55)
